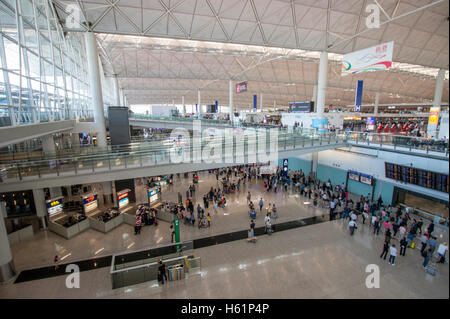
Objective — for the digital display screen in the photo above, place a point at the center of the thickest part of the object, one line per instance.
(54, 206)
(90, 203)
(123, 202)
(153, 195)
(241, 87)
(366, 179)
(301, 107)
(418, 177)
(353, 176)
(370, 121)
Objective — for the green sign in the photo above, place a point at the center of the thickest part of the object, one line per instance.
(176, 223)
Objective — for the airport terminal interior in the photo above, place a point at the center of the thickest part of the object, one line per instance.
(224, 149)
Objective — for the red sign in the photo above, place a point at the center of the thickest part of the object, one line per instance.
(241, 87)
(119, 197)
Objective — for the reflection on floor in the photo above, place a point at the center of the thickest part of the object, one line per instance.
(39, 251)
(318, 261)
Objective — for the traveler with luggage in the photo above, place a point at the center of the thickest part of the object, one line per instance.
(385, 250)
(442, 251)
(403, 245)
(392, 255)
(162, 272)
(352, 226)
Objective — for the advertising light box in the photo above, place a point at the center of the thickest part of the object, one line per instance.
(153, 195)
(90, 203)
(353, 175)
(54, 206)
(123, 198)
(366, 179)
(241, 87)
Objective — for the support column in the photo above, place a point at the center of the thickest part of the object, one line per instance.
(322, 83)
(314, 163)
(48, 144)
(377, 102)
(117, 89)
(199, 102)
(431, 130)
(230, 108)
(7, 270)
(114, 194)
(184, 105)
(41, 207)
(96, 87)
(107, 192)
(314, 97)
(260, 101)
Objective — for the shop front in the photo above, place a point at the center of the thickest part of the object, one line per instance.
(62, 223)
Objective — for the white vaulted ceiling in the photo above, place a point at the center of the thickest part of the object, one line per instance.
(278, 63)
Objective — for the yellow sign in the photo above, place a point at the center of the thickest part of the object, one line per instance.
(434, 116)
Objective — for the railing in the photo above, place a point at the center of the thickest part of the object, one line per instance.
(399, 141)
(160, 152)
(136, 116)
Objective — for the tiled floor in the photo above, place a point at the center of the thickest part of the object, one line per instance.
(40, 250)
(318, 261)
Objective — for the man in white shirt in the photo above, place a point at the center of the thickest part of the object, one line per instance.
(441, 251)
(392, 254)
(352, 226)
(353, 216)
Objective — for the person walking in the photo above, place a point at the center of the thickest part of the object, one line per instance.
(252, 225)
(261, 204)
(424, 241)
(137, 228)
(352, 226)
(432, 244)
(392, 255)
(427, 256)
(403, 245)
(162, 272)
(249, 196)
(430, 228)
(208, 218)
(55, 261)
(172, 233)
(385, 250)
(441, 251)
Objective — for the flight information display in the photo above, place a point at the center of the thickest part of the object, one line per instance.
(418, 177)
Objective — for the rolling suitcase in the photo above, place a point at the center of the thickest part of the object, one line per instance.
(431, 269)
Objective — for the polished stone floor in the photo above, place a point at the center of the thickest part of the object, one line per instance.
(40, 250)
(318, 261)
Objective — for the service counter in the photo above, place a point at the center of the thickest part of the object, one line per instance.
(24, 233)
(106, 224)
(68, 229)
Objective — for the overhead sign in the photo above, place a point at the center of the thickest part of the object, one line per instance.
(375, 58)
(241, 87)
(358, 95)
(301, 107)
(434, 116)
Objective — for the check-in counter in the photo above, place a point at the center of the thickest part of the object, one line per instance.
(106, 227)
(69, 232)
(21, 234)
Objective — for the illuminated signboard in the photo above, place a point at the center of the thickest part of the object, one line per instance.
(434, 116)
(90, 203)
(241, 87)
(366, 179)
(153, 195)
(301, 107)
(353, 175)
(122, 198)
(54, 206)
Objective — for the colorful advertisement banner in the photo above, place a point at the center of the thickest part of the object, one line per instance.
(241, 87)
(375, 58)
(434, 116)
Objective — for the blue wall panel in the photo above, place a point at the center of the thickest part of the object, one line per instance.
(359, 188)
(296, 164)
(386, 190)
(335, 175)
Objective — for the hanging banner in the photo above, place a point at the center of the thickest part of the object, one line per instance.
(434, 116)
(255, 101)
(241, 87)
(285, 167)
(358, 95)
(375, 58)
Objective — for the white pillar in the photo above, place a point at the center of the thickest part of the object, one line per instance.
(432, 128)
(48, 144)
(314, 162)
(41, 207)
(314, 97)
(107, 192)
(274, 104)
(184, 105)
(95, 87)
(7, 270)
(260, 101)
(117, 89)
(199, 102)
(377, 102)
(230, 109)
(114, 194)
(322, 83)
